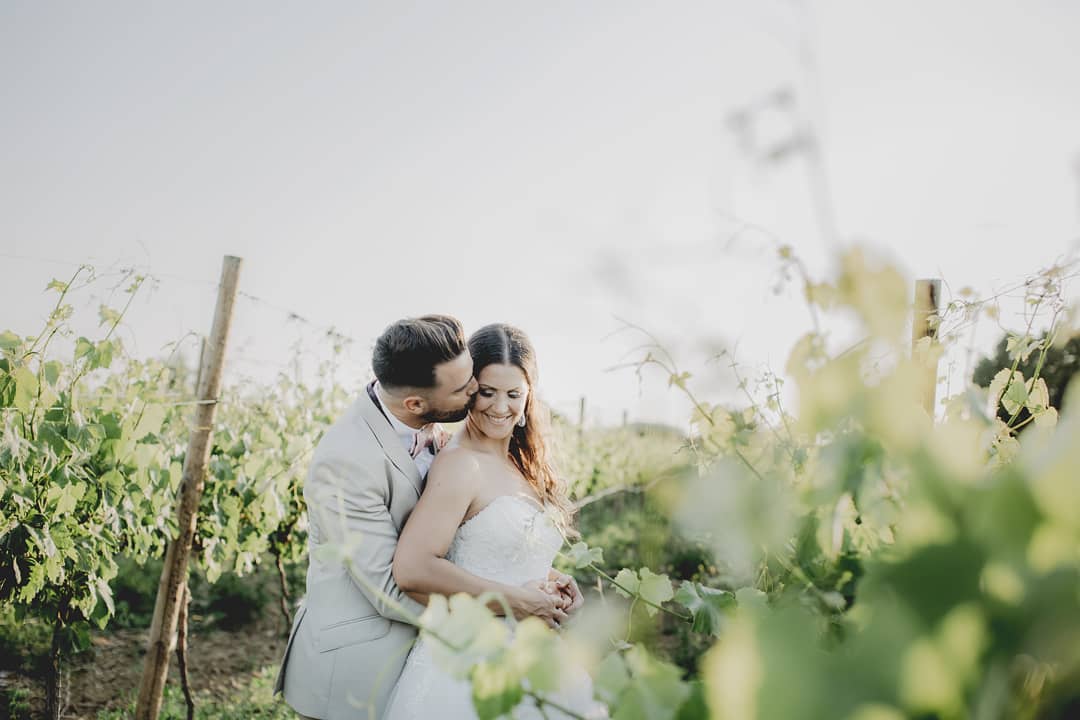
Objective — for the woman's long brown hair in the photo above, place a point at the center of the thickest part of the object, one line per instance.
(500, 344)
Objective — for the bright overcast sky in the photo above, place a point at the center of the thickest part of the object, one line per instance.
(555, 165)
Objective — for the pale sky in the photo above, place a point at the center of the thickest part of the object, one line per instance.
(555, 165)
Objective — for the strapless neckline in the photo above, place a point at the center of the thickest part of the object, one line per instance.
(532, 504)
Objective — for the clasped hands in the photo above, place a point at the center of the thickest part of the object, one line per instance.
(553, 599)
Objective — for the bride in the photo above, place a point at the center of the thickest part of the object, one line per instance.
(494, 507)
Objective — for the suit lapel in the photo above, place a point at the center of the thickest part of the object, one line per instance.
(390, 442)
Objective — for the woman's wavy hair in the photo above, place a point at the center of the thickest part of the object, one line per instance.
(501, 344)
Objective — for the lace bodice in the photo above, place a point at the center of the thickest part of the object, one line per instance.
(511, 541)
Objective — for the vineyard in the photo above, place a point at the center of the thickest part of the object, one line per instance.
(851, 556)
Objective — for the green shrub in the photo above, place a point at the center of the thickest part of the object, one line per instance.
(24, 641)
(134, 592)
(17, 704)
(255, 700)
(232, 601)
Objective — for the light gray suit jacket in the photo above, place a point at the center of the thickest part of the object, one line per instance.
(348, 645)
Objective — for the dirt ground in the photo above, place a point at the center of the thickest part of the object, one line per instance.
(107, 676)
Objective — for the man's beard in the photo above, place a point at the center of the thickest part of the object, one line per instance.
(445, 416)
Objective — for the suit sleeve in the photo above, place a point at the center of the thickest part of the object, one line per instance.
(353, 519)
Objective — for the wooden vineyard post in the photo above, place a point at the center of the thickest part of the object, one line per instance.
(925, 325)
(174, 574)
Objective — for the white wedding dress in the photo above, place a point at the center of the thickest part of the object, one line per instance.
(510, 541)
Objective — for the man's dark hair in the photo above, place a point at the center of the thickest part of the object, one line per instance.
(407, 352)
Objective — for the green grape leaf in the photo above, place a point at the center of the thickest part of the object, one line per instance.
(54, 567)
(470, 628)
(627, 583)
(611, 678)
(112, 482)
(35, 582)
(254, 466)
(715, 423)
(103, 353)
(679, 379)
(695, 706)
(83, 348)
(750, 597)
(213, 568)
(150, 455)
(296, 447)
(99, 615)
(112, 425)
(1038, 396)
(76, 637)
(582, 555)
(1021, 347)
(534, 654)
(271, 505)
(67, 497)
(9, 340)
(496, 690)
(51, 370)
(655, 589)
(997, 386)
(656, 691)
(153, 416)
(706, 605)
(105, 593)
(108, 316)
(1016, 395)
(26, 388)
(1047, 418)
(176, 476)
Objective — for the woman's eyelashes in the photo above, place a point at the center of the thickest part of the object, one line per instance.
(513, 394)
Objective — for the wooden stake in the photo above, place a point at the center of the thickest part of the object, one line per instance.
(173, 583)
(925, 325)
(181, 653)
(285, 599)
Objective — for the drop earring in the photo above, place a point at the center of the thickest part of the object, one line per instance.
(521, 422)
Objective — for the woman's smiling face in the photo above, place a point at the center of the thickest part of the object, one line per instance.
(500, 401)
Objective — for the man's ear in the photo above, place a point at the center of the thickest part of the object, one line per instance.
(415, 404)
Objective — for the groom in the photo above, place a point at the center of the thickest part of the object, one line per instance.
(349, 639)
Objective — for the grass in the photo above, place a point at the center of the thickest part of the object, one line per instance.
(256, 699)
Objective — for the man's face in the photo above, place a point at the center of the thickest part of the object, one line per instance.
(454, 387)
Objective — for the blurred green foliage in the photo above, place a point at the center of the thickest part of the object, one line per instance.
(824, 550)
(1060, 366)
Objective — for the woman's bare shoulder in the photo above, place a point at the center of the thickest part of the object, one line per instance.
(459, 463)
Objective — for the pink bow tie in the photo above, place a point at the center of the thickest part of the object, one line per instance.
(431, 436)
